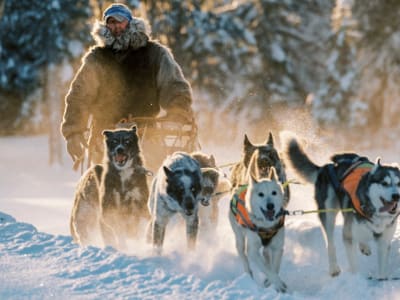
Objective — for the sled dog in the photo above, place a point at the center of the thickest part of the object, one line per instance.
(215, 185)
(351, 181)
(257, 218)
(267, 156)
(85, 215)
(175, 189)
(113, 195)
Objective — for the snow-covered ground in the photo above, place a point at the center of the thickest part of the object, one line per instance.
(39, 261)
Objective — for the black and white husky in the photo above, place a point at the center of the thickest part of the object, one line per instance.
(257, 218)
(111, 198)
(175, 189)
(353, 182)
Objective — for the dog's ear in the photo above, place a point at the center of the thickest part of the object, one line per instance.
(270, 140)
(272, 174)
(107, 133)
(168, 171)
(246, 142)
(212, 161)
(377, 165)
(253, 179)
(134, 128)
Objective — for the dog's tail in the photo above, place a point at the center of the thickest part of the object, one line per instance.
(294, 154)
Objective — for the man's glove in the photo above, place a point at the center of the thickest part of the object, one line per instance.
(76, 145)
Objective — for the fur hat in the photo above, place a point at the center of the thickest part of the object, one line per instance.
(118, 11)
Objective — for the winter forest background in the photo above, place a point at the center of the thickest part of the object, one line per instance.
(331, 64)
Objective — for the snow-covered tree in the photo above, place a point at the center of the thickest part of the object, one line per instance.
(34, 34)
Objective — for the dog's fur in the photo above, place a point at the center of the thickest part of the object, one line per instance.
(215, 185)
(264, 202)
(378, 192)
(85, 215)
(175, 189)
(112, 196)
(266, 156)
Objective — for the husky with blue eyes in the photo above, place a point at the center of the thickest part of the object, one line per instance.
(111, 197)
(368, 192)
(175, 189)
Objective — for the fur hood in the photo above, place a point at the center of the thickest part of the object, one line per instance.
(136, 35)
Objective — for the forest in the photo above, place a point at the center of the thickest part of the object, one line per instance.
(335, 63)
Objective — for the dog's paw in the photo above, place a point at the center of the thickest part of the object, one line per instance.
(278, 284)
(365, 249)
(334, 271)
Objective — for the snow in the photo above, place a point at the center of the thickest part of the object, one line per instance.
(39, 260)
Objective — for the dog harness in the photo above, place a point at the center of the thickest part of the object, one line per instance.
(350, 181)
(241, 214)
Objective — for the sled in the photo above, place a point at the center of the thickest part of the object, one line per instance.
(160, 137)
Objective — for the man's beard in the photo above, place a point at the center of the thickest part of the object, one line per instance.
(121, 42)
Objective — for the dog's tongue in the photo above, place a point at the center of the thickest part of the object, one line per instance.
(270, 214)
(388, 207)
(119, 158)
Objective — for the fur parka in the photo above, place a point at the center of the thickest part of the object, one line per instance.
(121, 76)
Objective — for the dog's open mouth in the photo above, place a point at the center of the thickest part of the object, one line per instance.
(120, 159)
(268, 213)
(388, 206)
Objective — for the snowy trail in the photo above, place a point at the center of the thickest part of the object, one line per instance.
(39, 261)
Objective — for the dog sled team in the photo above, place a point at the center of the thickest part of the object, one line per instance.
(127, 71)
(114, 199)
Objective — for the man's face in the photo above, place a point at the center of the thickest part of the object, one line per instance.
(116, 27)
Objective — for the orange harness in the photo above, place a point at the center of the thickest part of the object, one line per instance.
(350, 184)
(241, 214)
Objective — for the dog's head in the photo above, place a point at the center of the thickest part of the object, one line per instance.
(383, 183)
(259, 158)
(204, 160)
(265, 199)
(184, 186)
(209, 184)
(122, 147)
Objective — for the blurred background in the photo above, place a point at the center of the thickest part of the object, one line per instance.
(322, 67)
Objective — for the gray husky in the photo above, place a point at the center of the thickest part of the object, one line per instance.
(175, 189)
(215, 186)
(111, 198)
(266, 156)
(353, 182)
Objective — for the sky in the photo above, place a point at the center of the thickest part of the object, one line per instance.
(39, 260)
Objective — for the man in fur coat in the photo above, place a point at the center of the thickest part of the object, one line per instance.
(125, 74)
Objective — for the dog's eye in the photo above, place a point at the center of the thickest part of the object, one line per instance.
(385, 184)
(193, 190)
(127, 142)
(274, 193)
(260, 194)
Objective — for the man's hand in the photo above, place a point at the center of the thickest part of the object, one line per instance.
(76, 145)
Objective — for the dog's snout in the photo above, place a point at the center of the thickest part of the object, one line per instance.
(270, 206)
(189, 205)
(120, 150)
(395, 197)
